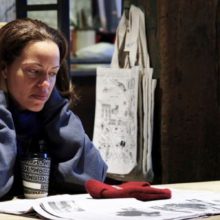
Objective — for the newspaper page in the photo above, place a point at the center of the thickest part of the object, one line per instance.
(115, 127)
(184, 204)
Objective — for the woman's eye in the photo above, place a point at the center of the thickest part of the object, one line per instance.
(32, 72)
(52, 74)
(38, 73)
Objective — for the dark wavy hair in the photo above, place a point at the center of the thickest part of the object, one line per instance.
(15, 35)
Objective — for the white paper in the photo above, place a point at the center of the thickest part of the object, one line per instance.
(184, 204)
(115, 130)
(16, 206)
(130, 50)
(149, 86)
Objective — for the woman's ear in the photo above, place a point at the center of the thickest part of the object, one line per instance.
(4, 75)
(3, 70)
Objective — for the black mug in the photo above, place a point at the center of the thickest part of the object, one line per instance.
(35, 169)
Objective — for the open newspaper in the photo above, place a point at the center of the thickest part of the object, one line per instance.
(183, 205)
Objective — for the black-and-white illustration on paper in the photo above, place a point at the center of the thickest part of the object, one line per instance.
(115, 131)
(131, 212)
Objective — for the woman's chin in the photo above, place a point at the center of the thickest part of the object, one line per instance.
(36, 107)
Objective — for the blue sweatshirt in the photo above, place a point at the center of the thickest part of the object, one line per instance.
(74, 157)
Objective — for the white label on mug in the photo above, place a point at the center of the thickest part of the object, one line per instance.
(31, 185)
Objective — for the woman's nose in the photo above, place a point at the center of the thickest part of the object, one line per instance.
(45, 82)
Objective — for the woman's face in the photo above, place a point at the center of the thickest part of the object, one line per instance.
(30, 79)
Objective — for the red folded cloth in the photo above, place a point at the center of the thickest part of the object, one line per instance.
(140, 190)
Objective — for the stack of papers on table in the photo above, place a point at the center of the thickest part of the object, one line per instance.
(183, 205)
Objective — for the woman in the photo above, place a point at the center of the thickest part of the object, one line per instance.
(33, 83)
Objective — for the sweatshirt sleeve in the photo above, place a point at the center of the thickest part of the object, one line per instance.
(7, 147)
(78, 158)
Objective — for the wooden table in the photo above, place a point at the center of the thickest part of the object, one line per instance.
(206, 186)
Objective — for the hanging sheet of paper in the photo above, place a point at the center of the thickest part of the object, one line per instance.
(125, 139)
(115, 132)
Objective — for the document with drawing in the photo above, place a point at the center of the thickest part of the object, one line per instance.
(123, 126)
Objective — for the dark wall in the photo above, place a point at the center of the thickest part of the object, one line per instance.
(85, 108)
(189, 85)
